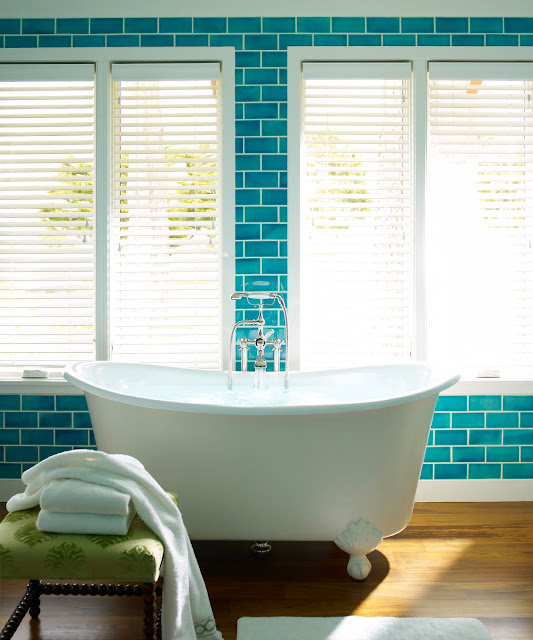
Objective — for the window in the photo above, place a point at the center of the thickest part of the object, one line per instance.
(413, 186)
(111, 226)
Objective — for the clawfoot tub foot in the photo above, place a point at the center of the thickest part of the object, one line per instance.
(359, 538)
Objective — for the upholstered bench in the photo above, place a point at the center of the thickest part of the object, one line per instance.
(29, 554)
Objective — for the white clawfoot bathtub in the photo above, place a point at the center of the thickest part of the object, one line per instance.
(275, 464)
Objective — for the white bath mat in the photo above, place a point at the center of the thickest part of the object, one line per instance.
(361, 628)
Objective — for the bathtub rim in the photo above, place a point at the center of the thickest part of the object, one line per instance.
(73, 374)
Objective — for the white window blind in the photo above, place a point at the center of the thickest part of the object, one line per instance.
(165, 243)
(46, 215)
(480, 215)
(356, 246)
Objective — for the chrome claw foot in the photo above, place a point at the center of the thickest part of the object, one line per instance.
(359, 538)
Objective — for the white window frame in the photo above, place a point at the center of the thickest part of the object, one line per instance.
(103, 58)
(420, 58)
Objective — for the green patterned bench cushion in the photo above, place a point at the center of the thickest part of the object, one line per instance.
(26, 552)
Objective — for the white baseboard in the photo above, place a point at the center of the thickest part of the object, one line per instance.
(428, 490)
(474, 491)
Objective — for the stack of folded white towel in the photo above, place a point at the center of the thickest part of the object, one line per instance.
(75, 506)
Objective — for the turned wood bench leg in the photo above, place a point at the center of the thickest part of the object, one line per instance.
(29, 600)
(149, 618)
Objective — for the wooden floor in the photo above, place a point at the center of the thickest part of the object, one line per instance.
(454, 560)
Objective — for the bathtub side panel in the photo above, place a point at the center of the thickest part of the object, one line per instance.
(276, 477)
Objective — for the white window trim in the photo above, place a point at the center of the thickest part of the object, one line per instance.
(102, 58)
(420, 57)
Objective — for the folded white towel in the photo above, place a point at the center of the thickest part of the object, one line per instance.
(97, 523)
(77, 496)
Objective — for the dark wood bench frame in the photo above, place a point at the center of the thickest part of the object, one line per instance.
(31, 601)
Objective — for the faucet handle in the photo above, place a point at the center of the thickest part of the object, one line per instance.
(268, 334)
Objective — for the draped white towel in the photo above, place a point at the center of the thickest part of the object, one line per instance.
(76, 496)
(187, 612)
(97, 523)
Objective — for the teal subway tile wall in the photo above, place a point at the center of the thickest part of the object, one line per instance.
(472, 437)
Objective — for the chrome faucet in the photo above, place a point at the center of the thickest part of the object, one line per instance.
(261, 341)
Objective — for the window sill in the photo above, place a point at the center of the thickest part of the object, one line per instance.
(45, 386)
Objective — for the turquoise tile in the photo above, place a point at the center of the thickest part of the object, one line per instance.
(55, 41)
(418, 25)
(247, 128)
(486, 25)
(348, 25)
(260, 179)
(261, 76)
(526, 40)
(494, 40)
(485, 403)
(518, 436)
(239, 175)
(503, 454)
(260, 214)
(9, 436)
(451, 25)
(526, 419)
(276, 94)
(21, 419)
(519, 471)
(46, 451)
(274, 231)
(239, 111)
(1, 454)
(239, 251)
(260, 145)
(526, 454)
(330, 40)
(54, 420)
(9, 26)
(437, 454)
(157, 40)
(427, 472)
(433, 40)
(2, 42)
(37, 403)
(485, 436)
(295, 40)
(191, 41)
(239, 217)
(283, 249)
(248, 59)
(460, 40)
(37, 436)
(313, 25)
(72, 25)
(518, 403)
(247, 196)
(239, 76)
(247, 231)
(260, 283)
(248, 265)
(81, 420)
(274, 128)
(502, 420)
(107, 25)
(449, 437)
(71, 437)
(261, 110)
(518, 25)
(20, 42)
(383, 25)
(226, 40)
(364, 40)
(484, 471)
(451, 403)
(283, 145)
(430, 442)
(36, 26)
(261, 248)
(175, 25)
(279, 25)
(239, 145)
(9, 402)
(274, 196)
(274, 265)
(274, 59)
(248, 162)
(140, 25)
(122, 40)
(209, 25)
(468, 454)
(71, 403)
(88, 41)
(469, 420)
(16, 453)
(451, 471)
(248, 94)
(441, 421)
(283, 76)
(92, 441)
(403, 40)
(244, 25)
(260, 42)
(9, 471)
(283, 179)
